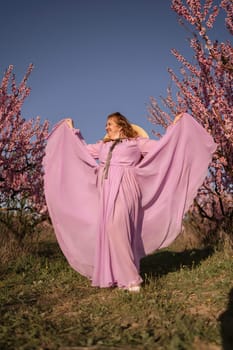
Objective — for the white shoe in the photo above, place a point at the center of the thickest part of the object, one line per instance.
(135, 289)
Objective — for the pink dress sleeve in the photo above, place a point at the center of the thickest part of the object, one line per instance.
(169, 175)
(93, 148)
(71, 195)
(146, 145)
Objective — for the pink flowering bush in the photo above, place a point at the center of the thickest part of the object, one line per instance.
(204, 88)
(22, 144)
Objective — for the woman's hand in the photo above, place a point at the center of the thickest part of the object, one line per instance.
(177, 118)
(70, 123)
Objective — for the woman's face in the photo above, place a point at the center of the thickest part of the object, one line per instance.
(112, 128)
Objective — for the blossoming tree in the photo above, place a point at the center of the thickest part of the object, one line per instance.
(22, 145)
(205, 90)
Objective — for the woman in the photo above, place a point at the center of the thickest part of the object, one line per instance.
(108, 214)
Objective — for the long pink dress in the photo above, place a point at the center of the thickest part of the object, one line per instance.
(107, 218)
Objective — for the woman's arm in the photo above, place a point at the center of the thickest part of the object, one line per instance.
(145, 145)
(93, 149)
(70, 123)
(177, 118)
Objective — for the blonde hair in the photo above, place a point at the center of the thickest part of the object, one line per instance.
(123, 122)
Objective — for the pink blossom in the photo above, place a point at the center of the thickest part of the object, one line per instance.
(22, 144)
(204, 89)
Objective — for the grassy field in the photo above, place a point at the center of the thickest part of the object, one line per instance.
(186, 303)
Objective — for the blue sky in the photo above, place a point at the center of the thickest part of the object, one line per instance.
(92, 57)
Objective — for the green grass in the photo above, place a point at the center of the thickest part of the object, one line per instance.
(184, 304)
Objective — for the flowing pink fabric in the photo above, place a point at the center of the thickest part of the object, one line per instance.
(104, 226)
